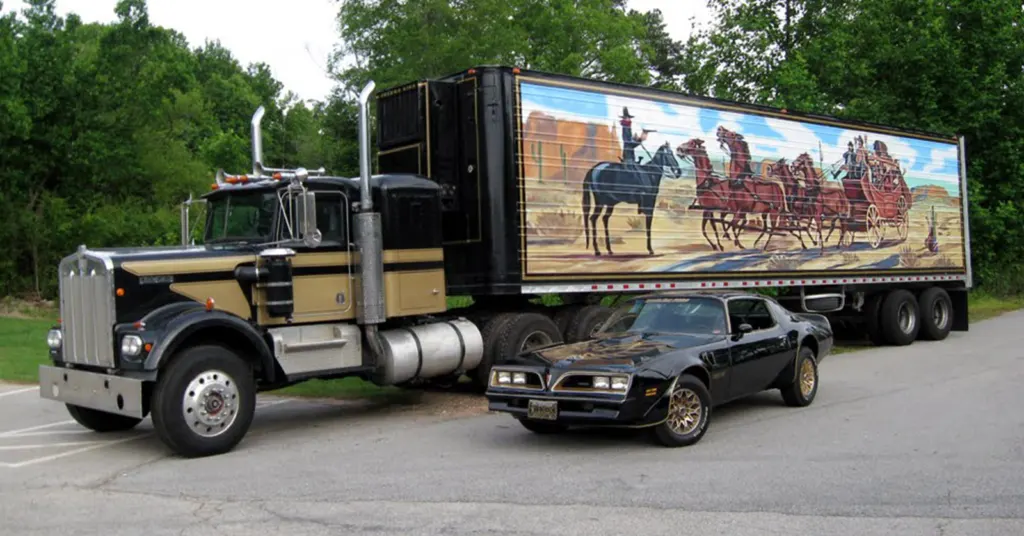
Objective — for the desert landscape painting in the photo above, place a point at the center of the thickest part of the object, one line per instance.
(620, 184)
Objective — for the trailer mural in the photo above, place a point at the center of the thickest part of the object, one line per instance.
(616, 183)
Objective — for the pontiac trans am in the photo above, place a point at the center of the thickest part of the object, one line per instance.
(662, 362)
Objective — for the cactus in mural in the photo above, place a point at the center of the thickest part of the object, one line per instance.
(565, 169)
(537, 151)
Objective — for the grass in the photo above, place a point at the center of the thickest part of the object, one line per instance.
(23, 327)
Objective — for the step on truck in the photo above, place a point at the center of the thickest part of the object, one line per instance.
(506, 205)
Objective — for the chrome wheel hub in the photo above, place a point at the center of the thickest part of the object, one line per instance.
(535, 339)
(684, 411)
(210, 404)
(940, 314)
(907, 318)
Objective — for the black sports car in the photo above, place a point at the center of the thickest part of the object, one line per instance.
(663, 361)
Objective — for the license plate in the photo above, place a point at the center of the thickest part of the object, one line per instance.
(546, 410)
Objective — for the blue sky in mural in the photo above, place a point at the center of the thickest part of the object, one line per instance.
(924, 161)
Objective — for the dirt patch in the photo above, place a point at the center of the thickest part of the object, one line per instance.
(12, 307)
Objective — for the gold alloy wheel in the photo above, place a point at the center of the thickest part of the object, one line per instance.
(684, 411)
(806, 377)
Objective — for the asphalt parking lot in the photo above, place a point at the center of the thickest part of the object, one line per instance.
(927, 439)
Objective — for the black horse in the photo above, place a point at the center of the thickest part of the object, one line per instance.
(612, 183)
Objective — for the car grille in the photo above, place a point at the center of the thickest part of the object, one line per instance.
(87, 309)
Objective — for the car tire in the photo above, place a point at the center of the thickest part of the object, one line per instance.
(210, 373)
(489, 333)
(935, 314)
(899, 317)
(689, 395)
(802, 391)
(545, 428)
(101, 421)
(585, 321)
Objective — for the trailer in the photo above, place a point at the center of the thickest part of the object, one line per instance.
(528, 196)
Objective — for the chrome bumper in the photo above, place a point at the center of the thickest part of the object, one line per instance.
(102, 392)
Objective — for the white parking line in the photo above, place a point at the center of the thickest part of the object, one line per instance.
(18, 391)
(20, 431)
(49, 445)
(34, 461)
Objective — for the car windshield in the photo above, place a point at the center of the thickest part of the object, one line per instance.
(698, 315)
(241, 217)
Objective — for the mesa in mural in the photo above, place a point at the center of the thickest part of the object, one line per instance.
(616, 183)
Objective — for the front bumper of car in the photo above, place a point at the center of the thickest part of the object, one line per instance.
(642, 402)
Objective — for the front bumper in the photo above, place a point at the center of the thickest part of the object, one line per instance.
(102, 392)
(573, 409)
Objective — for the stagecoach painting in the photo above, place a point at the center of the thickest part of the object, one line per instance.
(618, 180)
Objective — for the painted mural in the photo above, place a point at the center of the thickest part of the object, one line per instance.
(617, 184)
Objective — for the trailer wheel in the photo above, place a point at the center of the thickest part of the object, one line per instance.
(489, 332)
(899, 317)
(524, 332)
(101, 421)
(872, 319)
(585, 322)
(563, 317)
(204, 401)
(936, 314)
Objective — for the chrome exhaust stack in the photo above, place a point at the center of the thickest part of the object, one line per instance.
(370, 309)
(257, 142)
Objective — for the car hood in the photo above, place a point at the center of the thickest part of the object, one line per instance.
(616, 352)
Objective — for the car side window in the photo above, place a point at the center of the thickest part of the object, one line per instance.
(751, 311)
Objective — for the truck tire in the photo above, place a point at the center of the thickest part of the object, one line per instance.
(101, 421)
(872, 319)
(489, 333)
(522, 332)
(585, 321)
(936, 314)
(899, 317)
(563, 317)
(204, 401)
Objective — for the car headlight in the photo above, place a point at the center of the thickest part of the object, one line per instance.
(601, 382)
(54, 338)
(504, 377)
(619, 383)
(519, 378)
(131, 345)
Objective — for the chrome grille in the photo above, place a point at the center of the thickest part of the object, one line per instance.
(87, 308)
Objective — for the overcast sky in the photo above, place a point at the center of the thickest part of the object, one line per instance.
(304, 30)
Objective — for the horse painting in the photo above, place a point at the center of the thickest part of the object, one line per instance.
(611, 183)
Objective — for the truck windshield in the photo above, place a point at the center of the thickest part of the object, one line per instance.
(241, 217)
(696, 315)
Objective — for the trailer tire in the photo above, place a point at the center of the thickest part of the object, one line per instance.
(564, 316)
(585, 321)
(872, 319)
(936, 314)
(899, 317)
(101, 421)
(201, 380)
(525, 331)
(489, 333)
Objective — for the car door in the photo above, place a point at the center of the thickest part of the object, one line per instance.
(757, 355)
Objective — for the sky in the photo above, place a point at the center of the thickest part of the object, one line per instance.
(305, 31)
(924, 161)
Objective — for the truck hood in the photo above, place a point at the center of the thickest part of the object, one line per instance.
(627, 350)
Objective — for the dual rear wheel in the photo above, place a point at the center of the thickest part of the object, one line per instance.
(898, 317)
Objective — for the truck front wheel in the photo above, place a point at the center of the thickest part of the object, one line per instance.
(204, 401)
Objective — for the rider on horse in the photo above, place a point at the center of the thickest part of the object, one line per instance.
(629, 140)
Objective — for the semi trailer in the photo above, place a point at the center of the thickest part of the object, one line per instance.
(530, 197)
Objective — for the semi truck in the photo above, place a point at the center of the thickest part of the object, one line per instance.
(530, 197)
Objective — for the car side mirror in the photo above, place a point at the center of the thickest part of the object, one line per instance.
(742, 330)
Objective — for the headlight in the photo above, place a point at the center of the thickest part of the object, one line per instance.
(131, 345)
(504, 377)
(614, 383)
(619, 383)
(601, 382)
(519, 377)
(54, 338)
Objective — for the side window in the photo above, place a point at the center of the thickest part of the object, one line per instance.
(751, 311)
(330, 218)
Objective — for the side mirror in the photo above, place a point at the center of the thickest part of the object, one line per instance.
(742, 330)
(305, 219)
